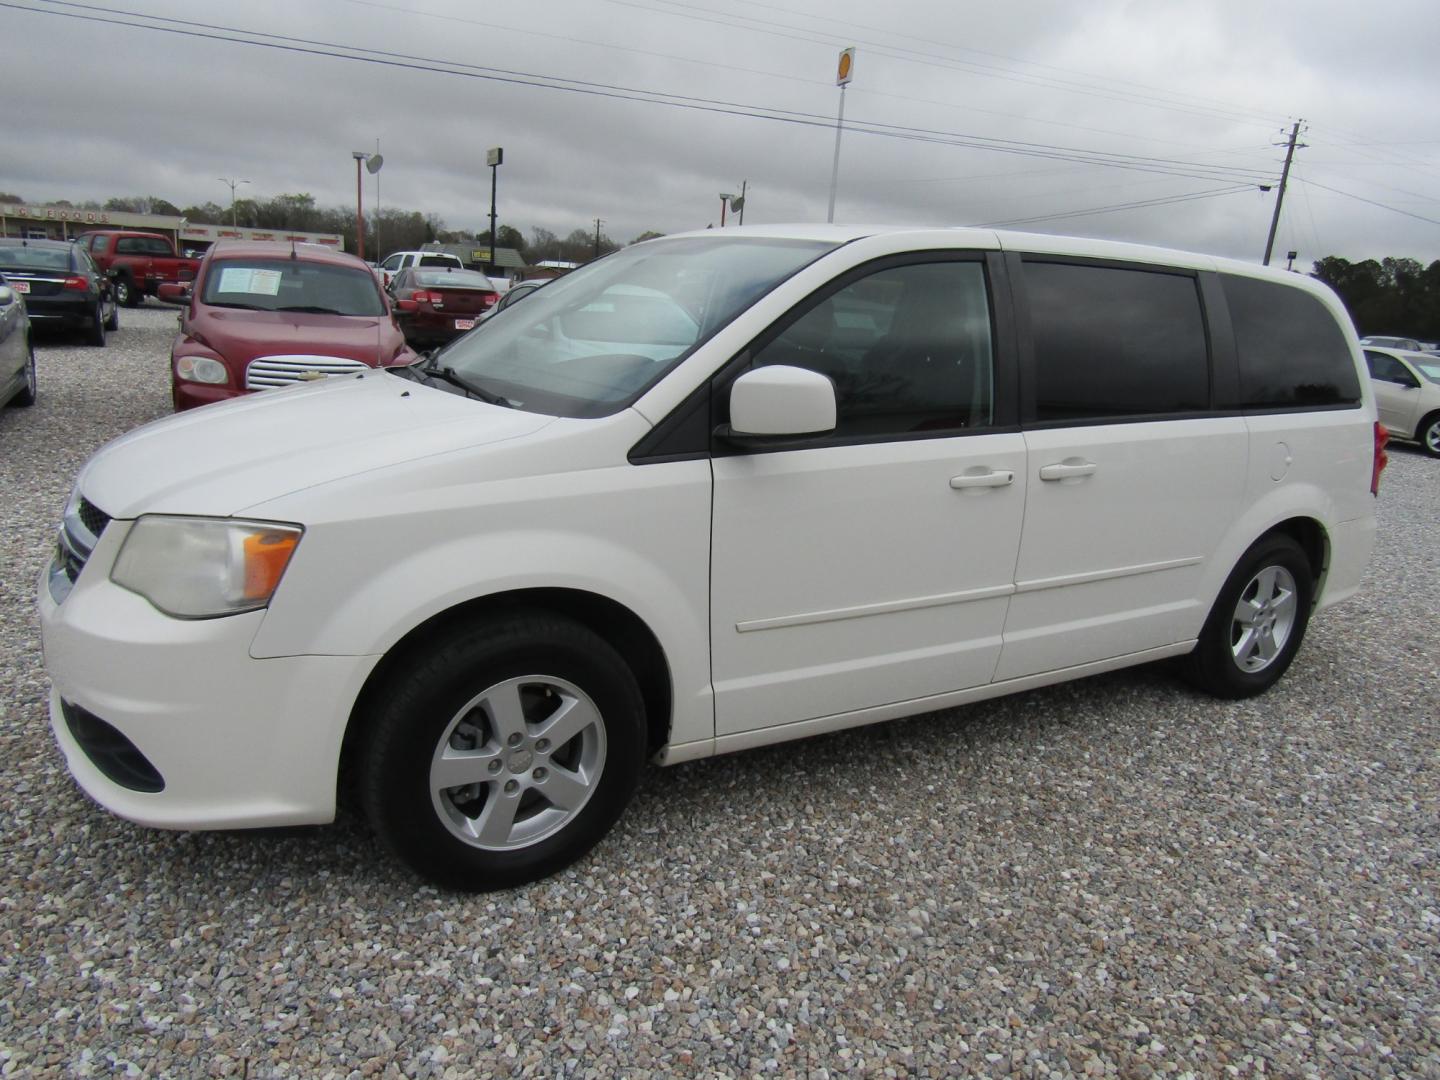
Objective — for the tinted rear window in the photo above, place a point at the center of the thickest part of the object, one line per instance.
(1292, 351)
(1115, 342)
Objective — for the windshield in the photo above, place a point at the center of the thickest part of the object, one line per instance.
(590, 343)
(35, 258)
(453, 279)
(292, 285)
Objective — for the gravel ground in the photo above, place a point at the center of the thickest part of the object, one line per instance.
(1116, 877)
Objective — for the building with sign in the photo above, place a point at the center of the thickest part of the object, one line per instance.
(23, 221)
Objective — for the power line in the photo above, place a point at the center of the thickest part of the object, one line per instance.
(1136, 205)
(313, 47)
(1371, 202)
(1149, 100)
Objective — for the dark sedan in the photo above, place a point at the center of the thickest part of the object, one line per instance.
(61, 286)
(17, 356)
(438, 305)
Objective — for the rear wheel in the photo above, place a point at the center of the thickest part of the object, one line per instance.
(112, 321)
(95, 333)
(503, 754)
(1428, 434)
(1257, 623)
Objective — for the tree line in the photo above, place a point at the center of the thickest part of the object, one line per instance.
(1392, 296)
(399, 229)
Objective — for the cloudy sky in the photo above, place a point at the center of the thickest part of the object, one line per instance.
(640, 112)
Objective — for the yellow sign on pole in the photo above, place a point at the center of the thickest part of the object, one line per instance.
(846, 70)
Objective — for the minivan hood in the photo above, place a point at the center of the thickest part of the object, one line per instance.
(220, 459)
(241, 336)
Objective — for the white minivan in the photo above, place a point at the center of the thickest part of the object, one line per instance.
(713, 491)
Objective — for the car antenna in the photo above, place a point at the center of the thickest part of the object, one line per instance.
(293, 253)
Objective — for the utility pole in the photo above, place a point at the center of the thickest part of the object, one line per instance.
(1280, 195)
(743, 185)
(598, 223)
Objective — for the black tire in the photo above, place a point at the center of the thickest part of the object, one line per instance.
(443, 700)
(95, 332)
(1428, 434)
(126, 295)
(1225, 662)
(112, 322)
(27, 394)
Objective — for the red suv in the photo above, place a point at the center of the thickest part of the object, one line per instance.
(264, 315)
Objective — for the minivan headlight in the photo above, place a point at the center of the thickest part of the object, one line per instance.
(203, 568)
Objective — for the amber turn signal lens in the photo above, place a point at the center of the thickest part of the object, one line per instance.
(266, 556)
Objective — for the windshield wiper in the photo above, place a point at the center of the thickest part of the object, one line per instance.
(242, 307)
(454, 378)
(312, 309)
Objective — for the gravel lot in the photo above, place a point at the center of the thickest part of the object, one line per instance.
(1115, 877)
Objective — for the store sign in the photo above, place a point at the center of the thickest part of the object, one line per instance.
(56, 213)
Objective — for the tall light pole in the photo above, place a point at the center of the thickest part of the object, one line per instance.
(372, 165)
(233, 185)
(376, 173)
(843, 74)
(494, 157)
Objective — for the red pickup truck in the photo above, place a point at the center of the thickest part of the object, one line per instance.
(138, 263)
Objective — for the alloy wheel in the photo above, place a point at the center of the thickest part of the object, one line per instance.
(1263, 619)
(518, 762)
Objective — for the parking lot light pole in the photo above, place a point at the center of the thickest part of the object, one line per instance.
(233, 185)
(359, 156)
(494, 157)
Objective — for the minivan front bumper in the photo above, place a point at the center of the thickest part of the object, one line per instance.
(237, 742)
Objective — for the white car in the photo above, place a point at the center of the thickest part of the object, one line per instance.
(403, 260)
(767, 483)
(1407, 394)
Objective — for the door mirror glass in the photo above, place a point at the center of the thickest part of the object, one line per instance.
(782, 400)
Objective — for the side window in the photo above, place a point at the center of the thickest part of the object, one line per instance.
(392, 263)
(908, 349)
(1292, 352)
(1115, 342)
(1388, 369)
(156, 247)
(129, 245)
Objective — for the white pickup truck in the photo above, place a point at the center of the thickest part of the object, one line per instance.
(403, 260)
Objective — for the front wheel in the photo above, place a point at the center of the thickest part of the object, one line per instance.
(1257, 623)
(504, 754)
(28, 393)
(1428, 434)
(125, 294)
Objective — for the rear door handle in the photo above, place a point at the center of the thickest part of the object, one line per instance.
(992, 478)
(1067, 470)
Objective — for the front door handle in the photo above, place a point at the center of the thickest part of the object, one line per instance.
(988, 479)
(1067, 470)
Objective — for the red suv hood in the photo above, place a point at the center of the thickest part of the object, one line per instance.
(241, 336)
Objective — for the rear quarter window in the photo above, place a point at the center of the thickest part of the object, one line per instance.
(1292, 352)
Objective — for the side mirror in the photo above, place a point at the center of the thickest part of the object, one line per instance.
(7, 296)
(406, 307)
(769, 405)
(171, 293)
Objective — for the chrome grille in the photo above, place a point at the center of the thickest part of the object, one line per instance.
(269, 371)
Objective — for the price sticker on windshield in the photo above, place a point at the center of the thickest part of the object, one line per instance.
(245, 279)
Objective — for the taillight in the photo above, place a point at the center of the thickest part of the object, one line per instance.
(490, 299)
(433, 298)
(1381, 458)
(79, 284)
